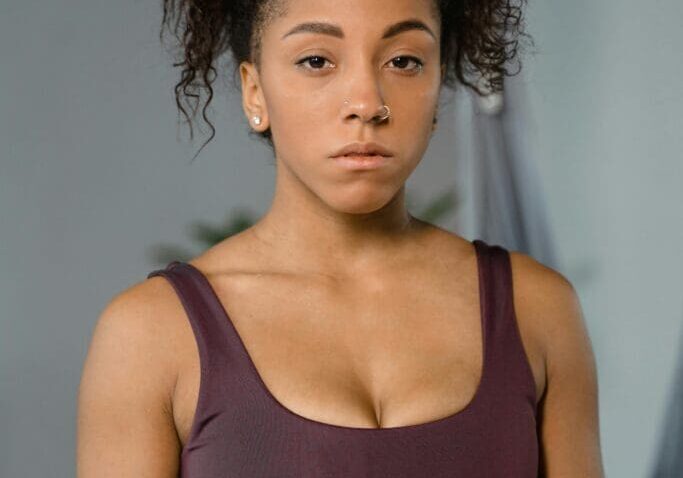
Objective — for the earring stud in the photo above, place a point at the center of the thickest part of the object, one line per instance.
(257, 120)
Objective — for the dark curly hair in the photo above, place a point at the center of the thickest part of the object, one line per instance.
(478, 37)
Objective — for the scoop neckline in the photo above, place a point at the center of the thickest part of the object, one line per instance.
(483, 311)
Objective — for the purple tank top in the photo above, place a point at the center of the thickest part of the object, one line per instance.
(241, 430)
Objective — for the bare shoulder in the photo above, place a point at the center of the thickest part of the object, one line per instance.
(547, 302)
(125, 420)
(142, 321)
(547, 307)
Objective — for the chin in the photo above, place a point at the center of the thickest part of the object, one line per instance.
(360, 203)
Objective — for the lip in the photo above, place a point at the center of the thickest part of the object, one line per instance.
(374, 149)
(362, 162)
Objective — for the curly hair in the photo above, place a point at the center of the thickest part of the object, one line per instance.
(478, 37)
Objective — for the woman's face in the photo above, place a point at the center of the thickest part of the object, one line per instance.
(308, 73)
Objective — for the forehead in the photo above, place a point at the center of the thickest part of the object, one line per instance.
(345, 18)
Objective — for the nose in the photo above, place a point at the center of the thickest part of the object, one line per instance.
(376, 113)
(364, 100)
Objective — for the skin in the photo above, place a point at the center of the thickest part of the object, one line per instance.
(388, 331)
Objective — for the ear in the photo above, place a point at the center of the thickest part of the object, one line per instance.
(253, 101)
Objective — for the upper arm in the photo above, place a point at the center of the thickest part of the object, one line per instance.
(125, 423)
(568, 410)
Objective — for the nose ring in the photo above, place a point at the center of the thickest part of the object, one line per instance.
(386, 115)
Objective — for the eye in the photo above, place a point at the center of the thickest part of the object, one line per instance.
(417, 61)
(320, 60)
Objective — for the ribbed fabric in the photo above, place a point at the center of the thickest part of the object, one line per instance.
(241, 430)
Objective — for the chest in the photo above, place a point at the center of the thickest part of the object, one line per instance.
(370, 355)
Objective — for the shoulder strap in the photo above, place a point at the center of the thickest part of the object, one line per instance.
(509, 366)
(226, 385)
(204, 311)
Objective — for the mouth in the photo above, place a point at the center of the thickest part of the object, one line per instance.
(362, 155)
(363, 150)
(361, 161)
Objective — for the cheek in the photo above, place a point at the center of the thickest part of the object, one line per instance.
(299, 119)
(425, 104)
(413, 129)
(293, 101)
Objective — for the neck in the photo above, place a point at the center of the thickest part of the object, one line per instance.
(307, 233)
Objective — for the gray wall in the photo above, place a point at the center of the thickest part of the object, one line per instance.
(92, 172)
(608, 106)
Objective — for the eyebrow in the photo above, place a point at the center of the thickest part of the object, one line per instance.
(324, 28)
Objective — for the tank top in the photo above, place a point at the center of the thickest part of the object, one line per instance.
(241, 430)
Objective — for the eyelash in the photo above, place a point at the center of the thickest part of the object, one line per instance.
(419, 63)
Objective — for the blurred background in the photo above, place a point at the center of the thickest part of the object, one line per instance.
(578, 163)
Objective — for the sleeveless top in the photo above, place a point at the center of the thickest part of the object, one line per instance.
(241, 430)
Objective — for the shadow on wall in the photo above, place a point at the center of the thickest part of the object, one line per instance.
(669, 458)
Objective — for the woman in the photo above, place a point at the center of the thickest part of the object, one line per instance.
(341, 336)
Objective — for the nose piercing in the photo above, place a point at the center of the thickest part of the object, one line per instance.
(386, 115)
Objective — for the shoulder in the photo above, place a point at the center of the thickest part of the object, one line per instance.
(141, 310)
(549, 304)
(127, 383)
(139, 328)
(542, 290)
(546, 304)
